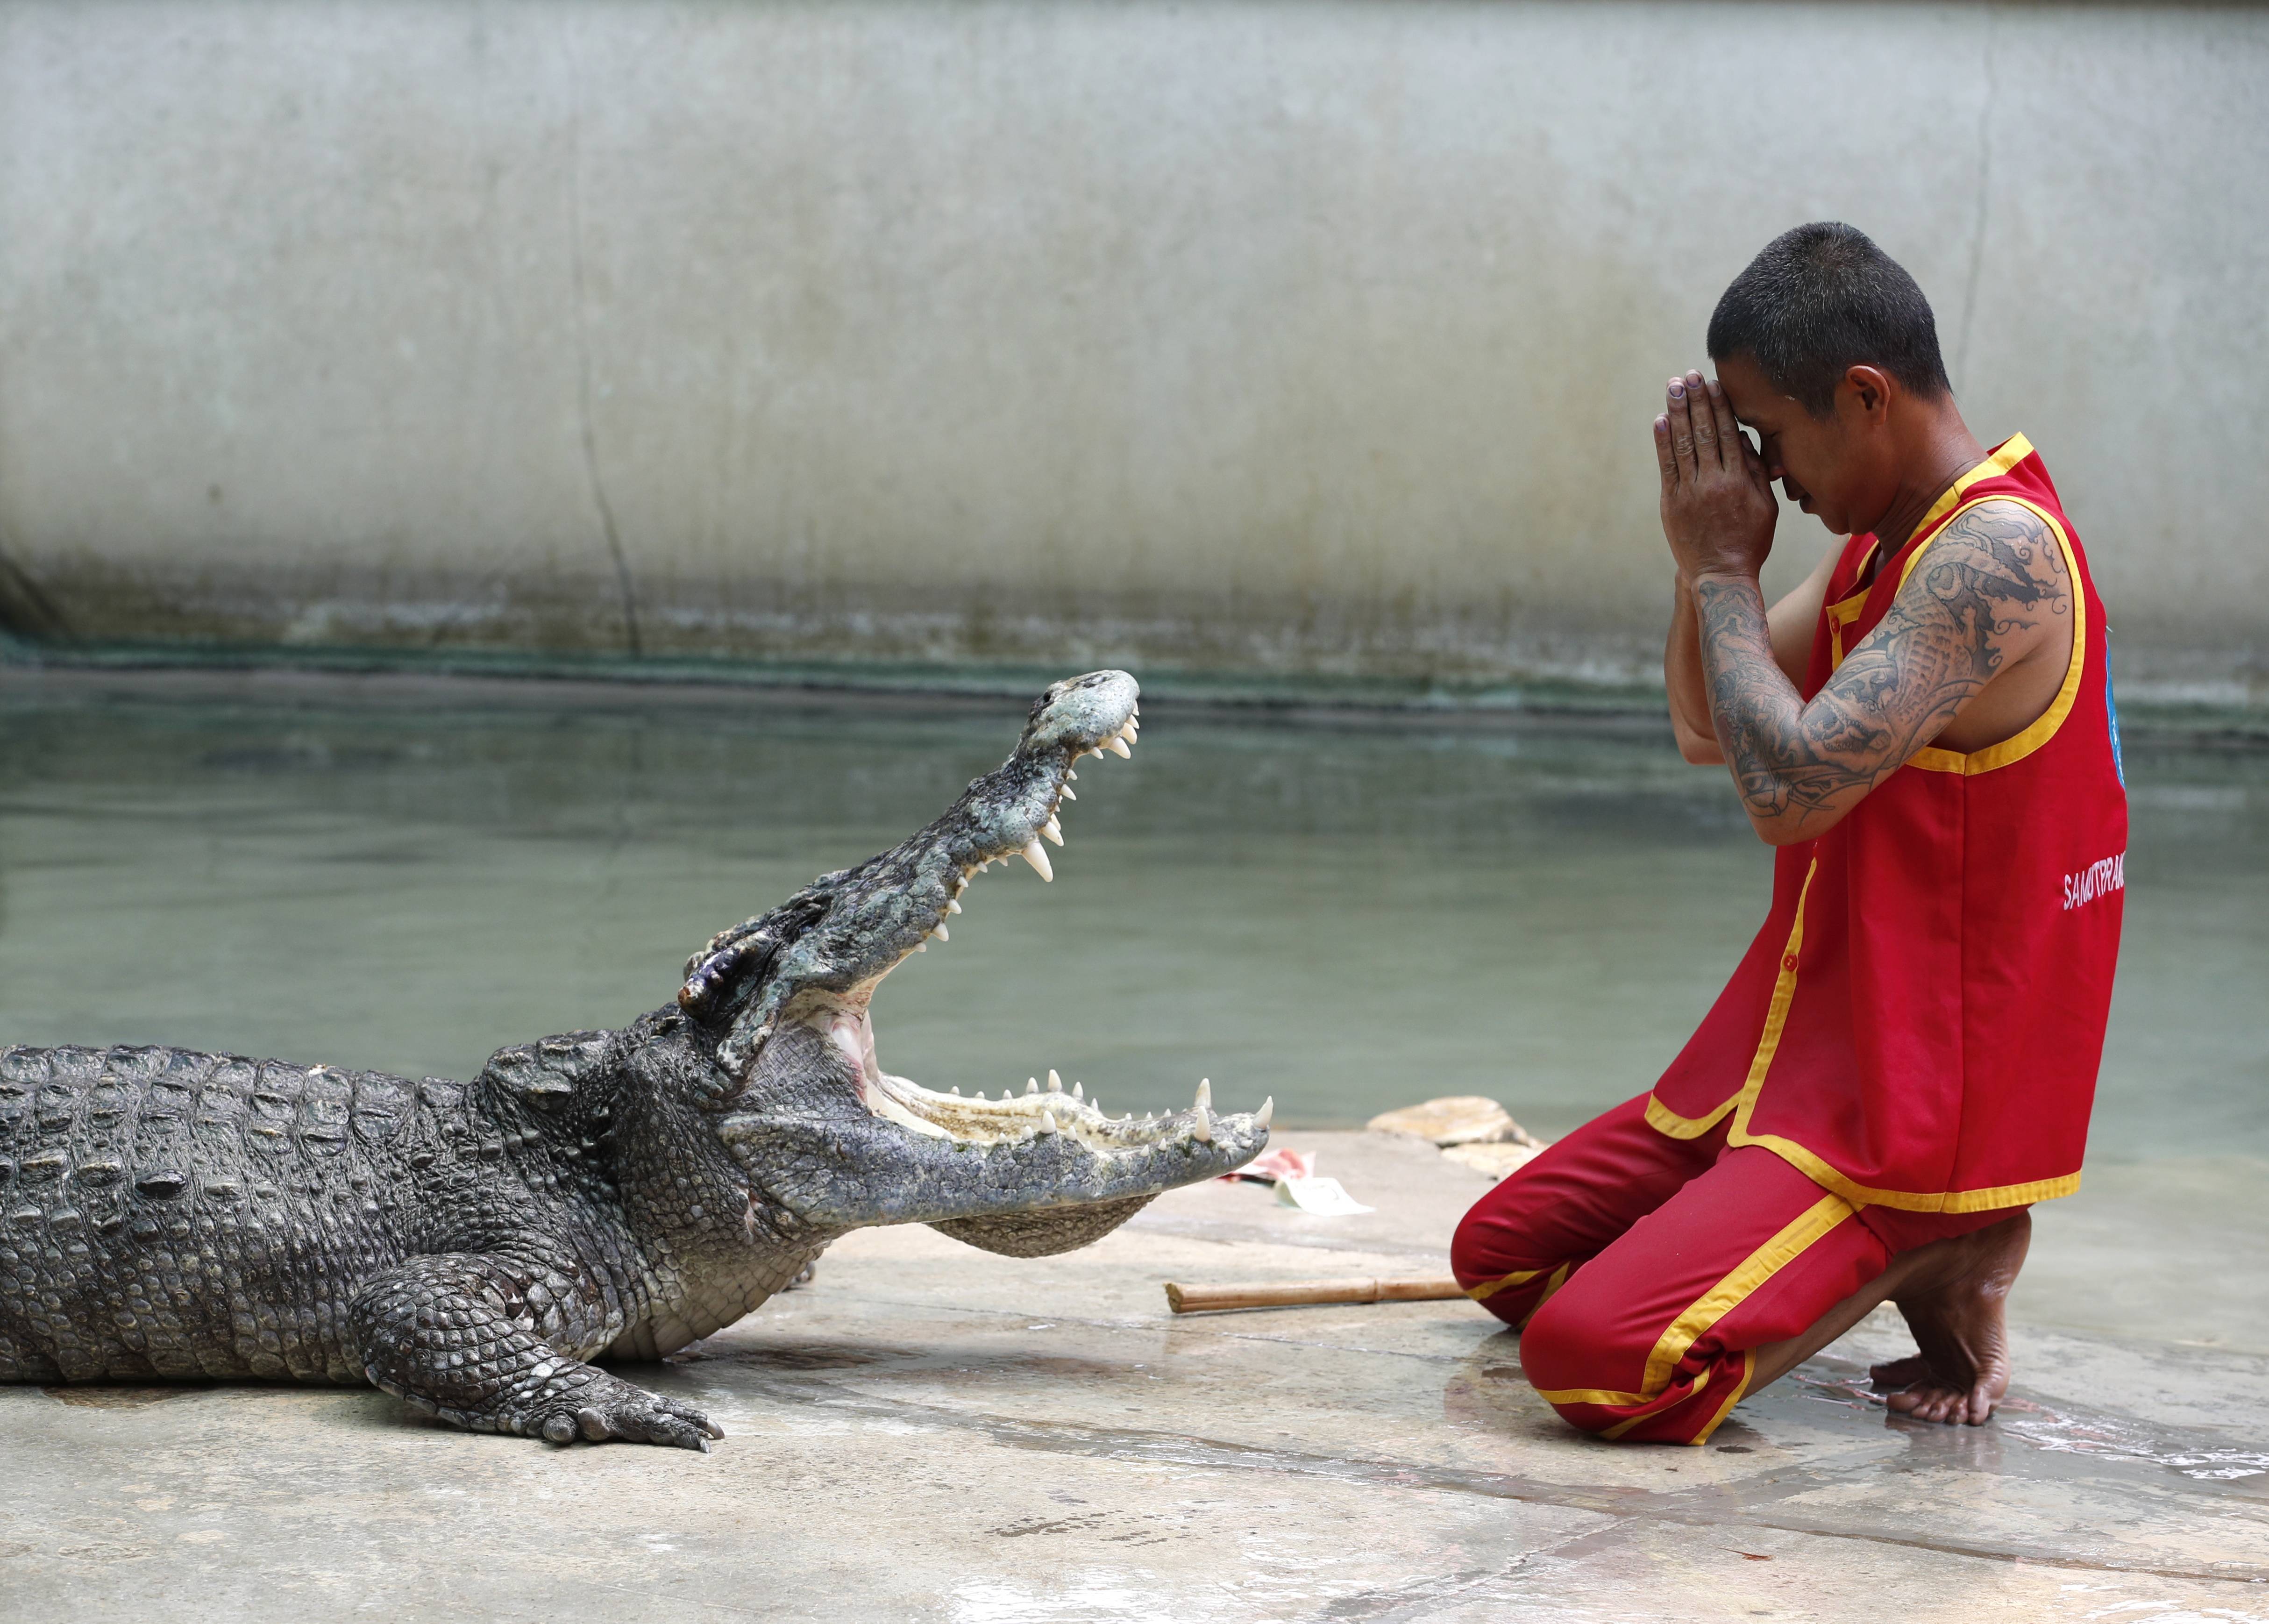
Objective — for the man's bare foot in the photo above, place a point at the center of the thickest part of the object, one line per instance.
(1955, 1309)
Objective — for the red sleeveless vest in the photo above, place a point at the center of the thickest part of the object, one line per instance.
(1919, 1022)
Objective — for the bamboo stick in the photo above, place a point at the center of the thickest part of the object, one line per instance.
(1287, 1294)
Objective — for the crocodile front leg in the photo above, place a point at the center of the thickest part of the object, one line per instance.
(456, 1335)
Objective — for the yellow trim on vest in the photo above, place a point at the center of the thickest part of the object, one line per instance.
(1826, 1177)
(1743, 1104)
(1748, 1375)
(1668, 1123)
(2020, 745)
(1660, 1118)
(1728, 1294)
(1844, 611)
(2003, 457)
(1840, 614)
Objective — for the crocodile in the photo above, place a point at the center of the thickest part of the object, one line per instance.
(476, 1248)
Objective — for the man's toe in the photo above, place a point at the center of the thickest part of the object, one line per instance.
(1928, 1404)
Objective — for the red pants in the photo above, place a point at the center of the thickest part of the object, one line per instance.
(1645, 1272)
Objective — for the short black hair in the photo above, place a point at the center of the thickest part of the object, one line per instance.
(1822, 299)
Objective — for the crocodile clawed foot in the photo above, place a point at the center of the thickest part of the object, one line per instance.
(612, 1409)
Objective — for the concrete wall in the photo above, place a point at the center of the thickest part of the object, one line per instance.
(1293, 335)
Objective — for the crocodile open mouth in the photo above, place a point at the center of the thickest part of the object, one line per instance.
(815, 962)
(1042, 1108)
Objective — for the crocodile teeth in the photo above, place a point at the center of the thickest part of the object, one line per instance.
(1118, 747)
(1077, 1093)
(1047, 1122)
(1054, 830)
(1055, 1084)
(940, 932)
(953, 907)
(1037, 855)
(957, 1088)
(1068, 773)
(1205, 1092)
(1031, 1085)
(1268, 1110)
(1069, 794)
(1201, 1126)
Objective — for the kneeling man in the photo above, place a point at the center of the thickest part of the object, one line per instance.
(1904, 1060)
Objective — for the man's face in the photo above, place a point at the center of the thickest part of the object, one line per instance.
(1838, 469)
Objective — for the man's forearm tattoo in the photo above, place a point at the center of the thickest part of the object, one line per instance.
(1995, 572)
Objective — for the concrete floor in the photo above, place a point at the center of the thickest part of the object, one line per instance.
(932, 1433)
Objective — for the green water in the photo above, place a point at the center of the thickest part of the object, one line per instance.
(405, 876)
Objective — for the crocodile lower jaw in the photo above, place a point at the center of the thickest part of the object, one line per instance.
(1041, 1109)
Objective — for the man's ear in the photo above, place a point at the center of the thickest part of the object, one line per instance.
(1868, 390)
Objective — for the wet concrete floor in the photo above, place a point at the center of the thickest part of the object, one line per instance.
(931, 1433)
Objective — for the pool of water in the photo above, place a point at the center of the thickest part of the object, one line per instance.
(405, 875)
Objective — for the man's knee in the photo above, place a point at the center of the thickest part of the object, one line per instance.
(1573, 1343)
(1477, 1250)
(1499, 1233)
(1495, 1261)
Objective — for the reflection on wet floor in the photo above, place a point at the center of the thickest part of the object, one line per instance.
(2057, 1428)
(406, 875)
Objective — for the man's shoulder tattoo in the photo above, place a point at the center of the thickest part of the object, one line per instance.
(1996, 570)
